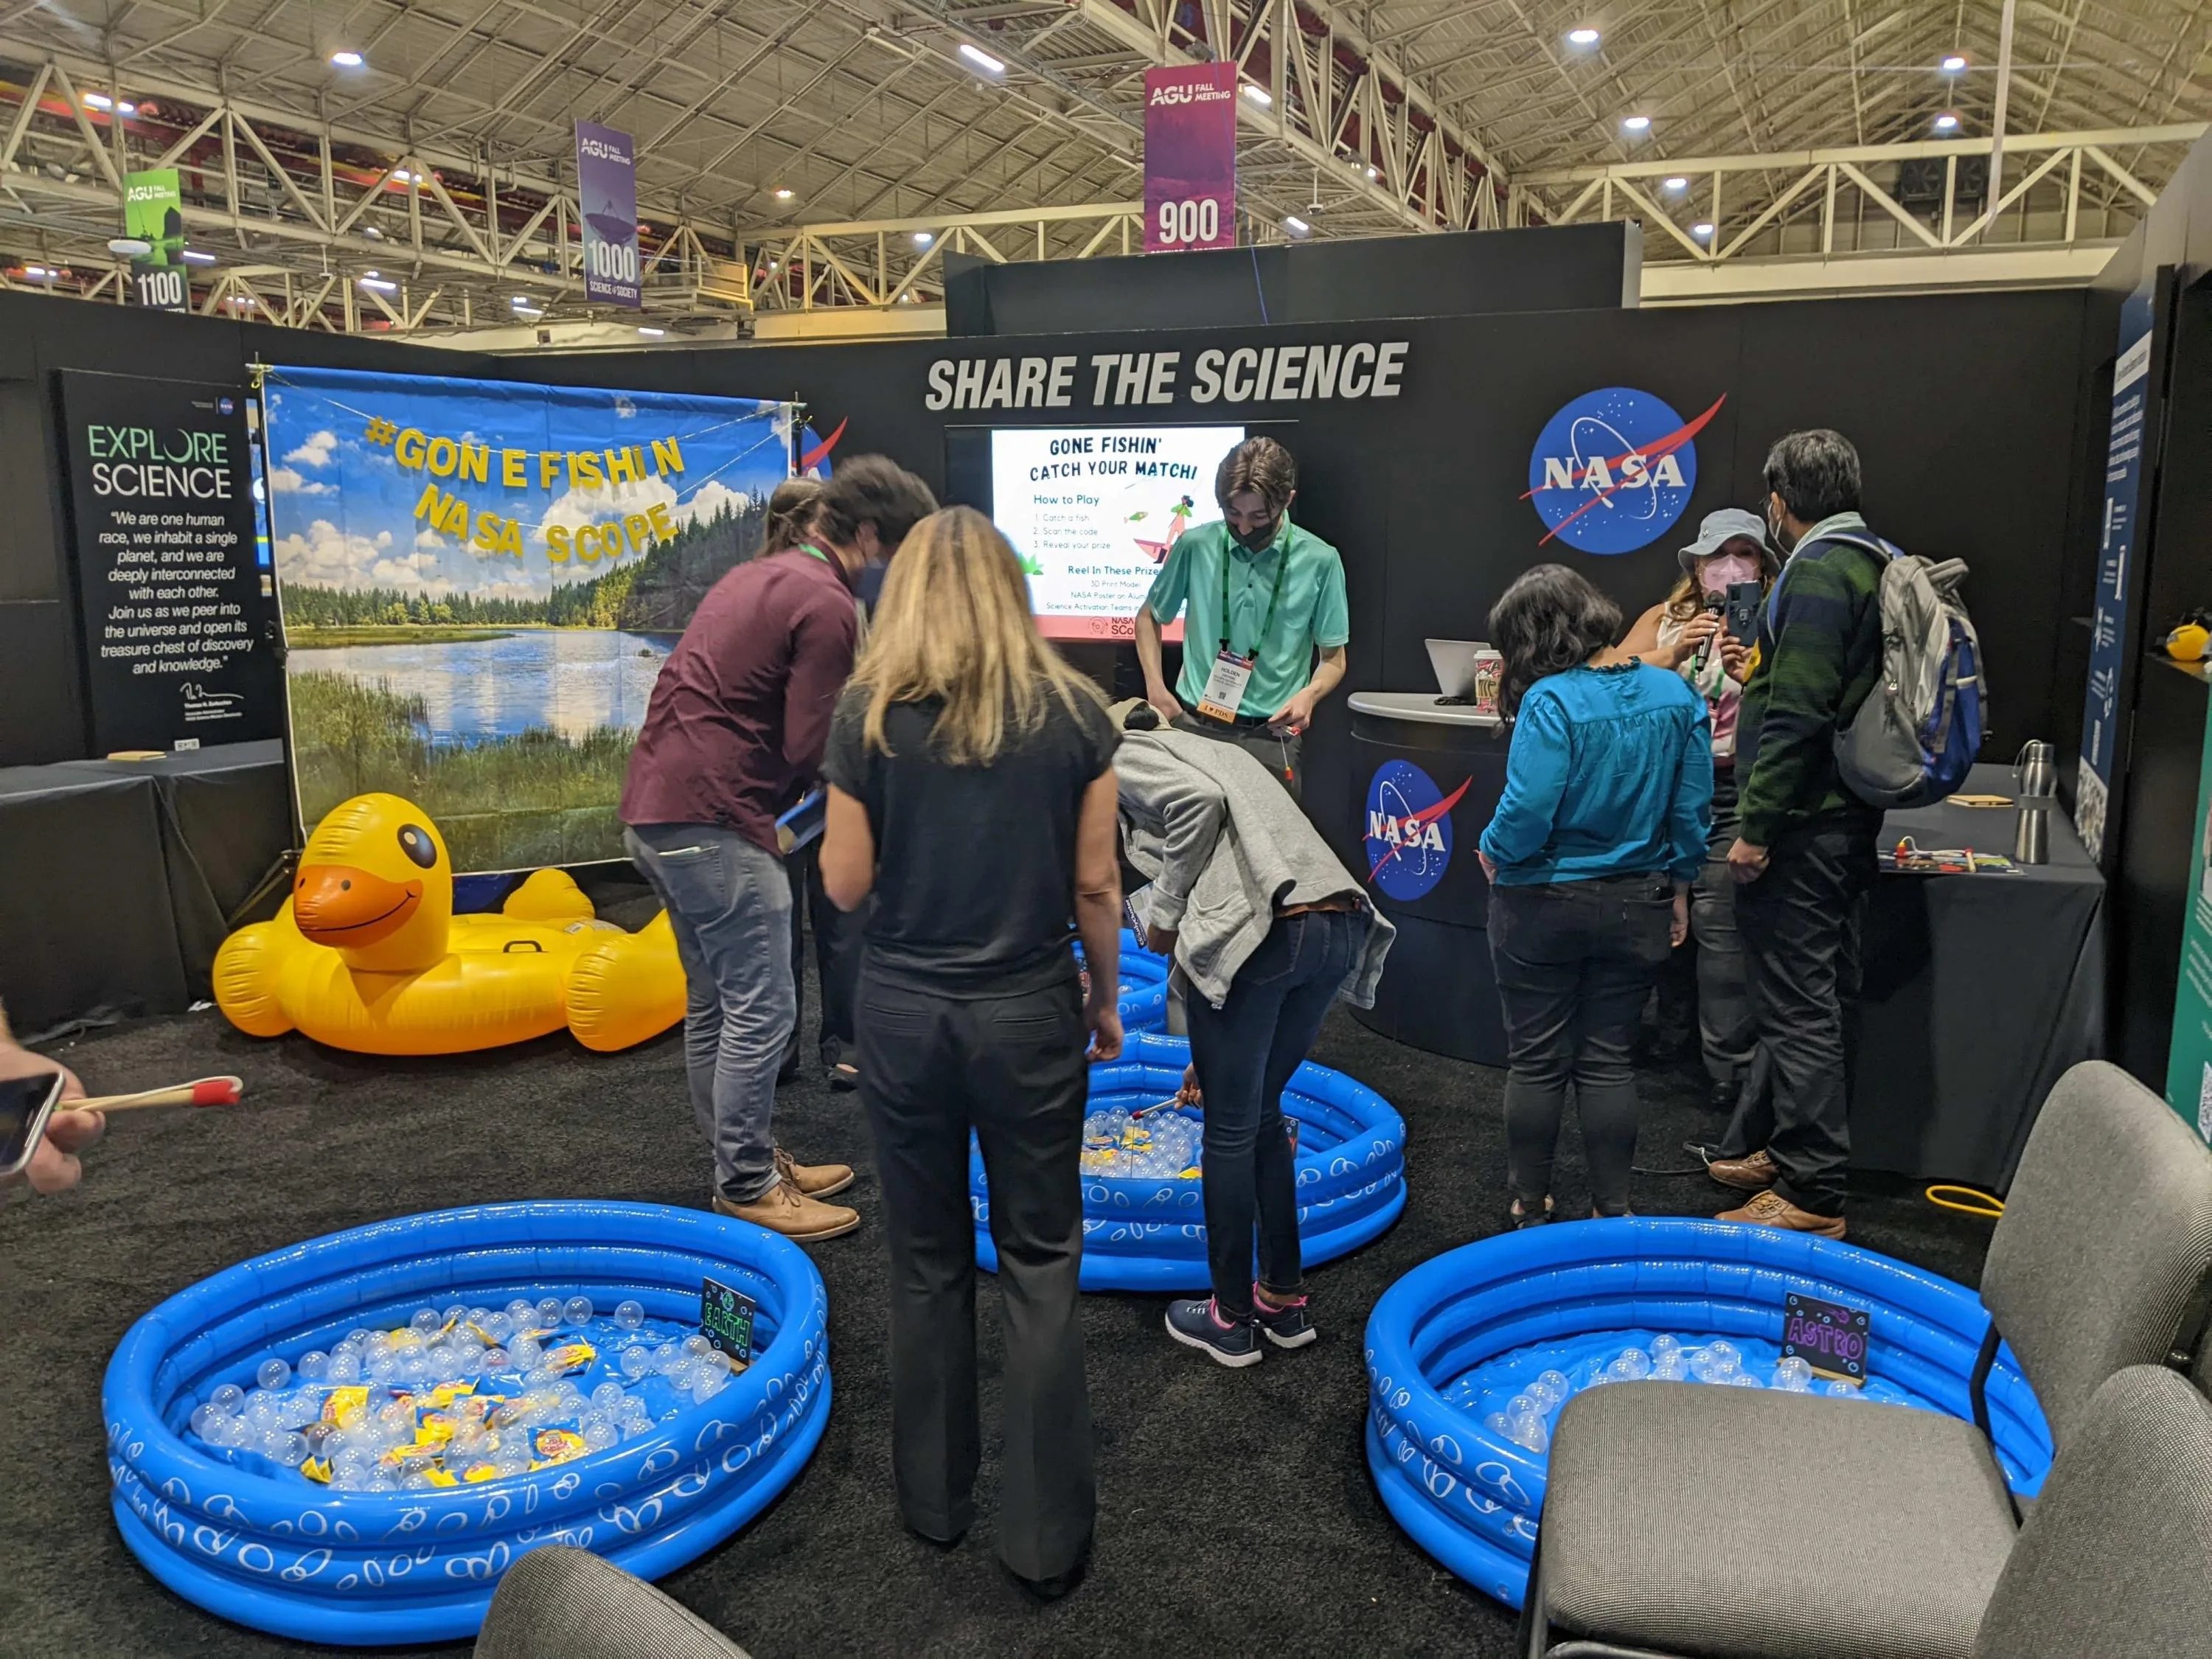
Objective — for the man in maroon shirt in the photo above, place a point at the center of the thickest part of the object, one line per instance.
(732, 737)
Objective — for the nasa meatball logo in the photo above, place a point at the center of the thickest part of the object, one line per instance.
(1612, 471)
(1409, 831)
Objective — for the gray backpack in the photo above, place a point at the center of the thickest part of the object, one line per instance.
(1917, 734)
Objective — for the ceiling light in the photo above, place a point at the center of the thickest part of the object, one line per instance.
(199, 256)
(130, 247)
(401, 176)
(1296, 226)
(382, 285)
(1374, 172)
(923, 239)
(1582, 37)
(1702, 229)
(1953, 63)
(347, 59)
(981, 59)
(775, 264)
(98, 101)
(1677, 183)
(39, 272)
(651, 333)
(1258, 95)
(372, 233)
(520, 300)
(1947, 122)
(1635, 123)
(126, 108)
(780, 195)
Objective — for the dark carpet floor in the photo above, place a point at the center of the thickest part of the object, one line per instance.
(1236, 1512)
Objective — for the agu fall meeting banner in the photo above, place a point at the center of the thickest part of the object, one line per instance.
(480, 580)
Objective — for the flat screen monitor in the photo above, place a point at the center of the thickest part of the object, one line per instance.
(1093, 510)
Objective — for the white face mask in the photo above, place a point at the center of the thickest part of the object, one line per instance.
(1714, 574)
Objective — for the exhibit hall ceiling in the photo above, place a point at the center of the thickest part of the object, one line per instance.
(829, 153)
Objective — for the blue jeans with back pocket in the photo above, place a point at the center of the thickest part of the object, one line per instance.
(729, 902)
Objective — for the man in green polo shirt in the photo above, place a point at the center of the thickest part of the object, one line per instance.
(1263, 597)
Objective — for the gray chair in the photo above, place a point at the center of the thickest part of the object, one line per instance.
(562, 1603)
(1774, 1526)
(2111, 1559)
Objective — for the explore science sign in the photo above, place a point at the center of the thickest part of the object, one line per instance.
(480, 582)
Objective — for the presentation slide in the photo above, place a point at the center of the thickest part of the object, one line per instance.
(1093, 510)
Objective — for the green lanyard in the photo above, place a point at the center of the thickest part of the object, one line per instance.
(811, 551)
(1282, 566)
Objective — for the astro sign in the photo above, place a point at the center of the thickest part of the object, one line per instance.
(1612, 471)
(1409, 829)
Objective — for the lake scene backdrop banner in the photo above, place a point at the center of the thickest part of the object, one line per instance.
(480, 582)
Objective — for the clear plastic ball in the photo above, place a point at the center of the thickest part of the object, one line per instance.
(314, 1365)
(696, 1345)
(273, 1373)
(665, 1355)
(1744, 1380)
(1793, 1374)
(1520, 1404)
(708, 1385)
(1632, 1365)
(205, 1421)
(599, 1435)
(608, 1397)
(227, 1398)
(635, 1362)
(524, 1352)
(521, 1312)
(547, 1311)
(456, 1315)
(629, 1316)
(424, 1321)
(497, 1328)
(1836, 1389)
(577, 1310)
(1662, 1345)
(496, 1360)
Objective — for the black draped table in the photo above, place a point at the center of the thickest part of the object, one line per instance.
(117, 877)
(1978, 991)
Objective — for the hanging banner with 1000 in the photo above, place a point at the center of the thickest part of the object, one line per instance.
(1190, 157)
(606, 190)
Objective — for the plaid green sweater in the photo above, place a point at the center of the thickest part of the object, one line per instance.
(1819, 654)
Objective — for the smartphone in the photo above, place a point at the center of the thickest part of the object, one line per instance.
(26, 1103)
(1744, 599)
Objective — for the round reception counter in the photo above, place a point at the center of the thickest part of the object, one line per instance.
(1428, 773)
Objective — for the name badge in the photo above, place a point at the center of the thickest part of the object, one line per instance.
(1225, 687)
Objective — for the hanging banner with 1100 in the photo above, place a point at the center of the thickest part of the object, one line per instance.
(153, 213)
(1190, 157)
(606, 190)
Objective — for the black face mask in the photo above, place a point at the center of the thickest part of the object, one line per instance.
(1258, 541)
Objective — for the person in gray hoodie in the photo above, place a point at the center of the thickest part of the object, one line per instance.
(1268, 928)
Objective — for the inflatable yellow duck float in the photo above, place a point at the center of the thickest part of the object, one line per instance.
(368, 955)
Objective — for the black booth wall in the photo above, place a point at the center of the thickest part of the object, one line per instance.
(1966, 409)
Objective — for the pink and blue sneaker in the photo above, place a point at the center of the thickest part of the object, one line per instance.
(1282, 1319)
(1200, 1325)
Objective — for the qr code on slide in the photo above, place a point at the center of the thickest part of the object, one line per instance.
(2205, 1105)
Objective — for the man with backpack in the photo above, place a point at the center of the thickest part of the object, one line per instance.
(1805, 846)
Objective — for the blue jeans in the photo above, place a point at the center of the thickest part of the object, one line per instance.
(1574, 961)
(730, 904)
(1245, 1051)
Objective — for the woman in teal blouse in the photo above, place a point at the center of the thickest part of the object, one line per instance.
(1590, 854)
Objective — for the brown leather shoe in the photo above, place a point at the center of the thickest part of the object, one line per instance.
(815, 1180)
(784, 1209)
(1770, 1209)
(1754, 1174)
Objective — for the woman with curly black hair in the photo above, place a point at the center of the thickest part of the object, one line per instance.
(1590, 854)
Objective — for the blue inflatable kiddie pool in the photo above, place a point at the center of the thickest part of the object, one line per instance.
(276, 1552)
(1149, 1235)
(1143, 985)
(1455, 1339)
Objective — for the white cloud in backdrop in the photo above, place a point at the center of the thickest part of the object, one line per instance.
(288, 481)
(317, 450)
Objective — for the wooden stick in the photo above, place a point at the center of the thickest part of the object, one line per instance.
(201, 1091)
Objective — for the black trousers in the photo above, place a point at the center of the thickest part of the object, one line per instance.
(1283, 756)
(836, 956)
(1012, 1068)
(1575, 961)
(1801, 922)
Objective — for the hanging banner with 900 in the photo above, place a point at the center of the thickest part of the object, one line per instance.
(1190, 157)
(606, 190)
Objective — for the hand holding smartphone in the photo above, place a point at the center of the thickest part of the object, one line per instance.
(26, 1103)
